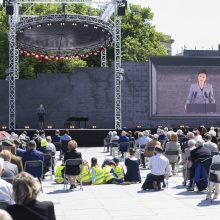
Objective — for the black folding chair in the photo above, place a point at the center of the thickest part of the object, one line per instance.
(3, 204)
(36, 169)
(75, 165)
(64, 148)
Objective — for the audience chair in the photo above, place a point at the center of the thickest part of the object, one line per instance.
(48, 164)
(214, 175)
(114, 148)
(106, 143)
(124, 148)
(64, 148)
(131, 144)
(57, 145)
(3, 204)
(173, 157)
(8, 179)
(73, 163)
(36, 169)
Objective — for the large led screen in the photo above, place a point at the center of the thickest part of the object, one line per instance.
(184, 87)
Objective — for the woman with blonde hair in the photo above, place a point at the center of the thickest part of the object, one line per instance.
(72, 154)
(25, 192)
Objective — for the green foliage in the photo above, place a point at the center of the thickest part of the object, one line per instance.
(139, 40)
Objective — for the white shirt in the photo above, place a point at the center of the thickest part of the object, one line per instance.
(6, 191)
(159, 165)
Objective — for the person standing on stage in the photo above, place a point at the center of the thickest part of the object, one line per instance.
(41, 114)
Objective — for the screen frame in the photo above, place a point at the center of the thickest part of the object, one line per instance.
(155, 61)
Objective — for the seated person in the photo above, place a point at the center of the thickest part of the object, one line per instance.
(86, 174)
(33, 154)
(5, 187)
(25, 192)
(10, 169)
(7, 145)
(110, 175)
(59, 174)
(213, 185)
(19, 150)
(133, 171)
(56, 137)
(71, 172)
(123, 138)
(160, 169)
(97, 172)
(119, 169)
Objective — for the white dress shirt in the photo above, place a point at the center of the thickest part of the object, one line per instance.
(6, 191)
(159, 165)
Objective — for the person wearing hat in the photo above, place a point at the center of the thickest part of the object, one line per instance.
(8, 145)
(160, 169)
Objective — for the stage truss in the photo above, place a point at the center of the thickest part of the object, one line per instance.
(110, 8)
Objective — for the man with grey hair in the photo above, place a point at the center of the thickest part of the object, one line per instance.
(200, 152)
(210, 145)
(5, 187)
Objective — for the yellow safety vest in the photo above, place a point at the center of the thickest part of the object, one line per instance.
(99, 175)
(58, 174)
(119, 170)
(107, 175)
(86, 176)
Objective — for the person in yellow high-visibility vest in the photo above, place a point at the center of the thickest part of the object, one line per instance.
(86, 174)
(118, 169)
(59, 174)
(97, 172)
(109, 173)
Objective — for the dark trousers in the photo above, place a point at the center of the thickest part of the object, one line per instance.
(115, 180)
(148, 183)
(143, 159)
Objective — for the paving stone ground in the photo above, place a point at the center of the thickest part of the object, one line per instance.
(121, 202)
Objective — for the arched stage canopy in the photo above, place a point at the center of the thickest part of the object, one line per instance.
(63, 34)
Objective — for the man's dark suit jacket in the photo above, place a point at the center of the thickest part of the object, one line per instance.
(33, 155)
(200, 152)
(34, 210)
(73, 154)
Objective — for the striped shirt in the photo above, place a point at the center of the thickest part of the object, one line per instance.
(159, 165)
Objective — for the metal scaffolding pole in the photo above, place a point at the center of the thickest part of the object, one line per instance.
(13, 65)
(117, 39)
(103, 58)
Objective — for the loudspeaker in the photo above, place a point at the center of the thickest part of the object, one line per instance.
(9, 10)
(121, 11)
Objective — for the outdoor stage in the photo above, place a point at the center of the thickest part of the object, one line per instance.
(84, 137)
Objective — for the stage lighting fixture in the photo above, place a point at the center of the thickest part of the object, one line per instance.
(87, 55)
(95, 53)
(21, 31)
(49, 24)
(4, 127)
(72, 126)
(85, 25)
(94, 126)
(49, 126)
(26, 127)
(74, 24)
(62, 23)
(77, 56)
(66, 57)
(57, 57)
(95, 27)
(29, 28)
(46, 57)
(28, 53)
(37, 56)
(39, 25)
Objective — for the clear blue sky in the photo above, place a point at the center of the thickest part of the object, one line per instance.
(191, 23)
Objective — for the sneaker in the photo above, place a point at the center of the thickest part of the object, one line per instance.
(71, 187)
(74, 186)
(208, 197)
(190, 189)
(155, 186)
(215, 196)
